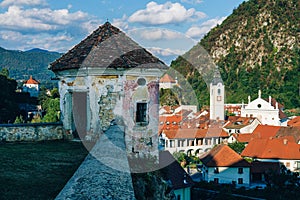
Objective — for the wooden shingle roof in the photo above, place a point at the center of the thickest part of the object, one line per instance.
(107, 47)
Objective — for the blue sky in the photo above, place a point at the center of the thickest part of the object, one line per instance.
(166, 28)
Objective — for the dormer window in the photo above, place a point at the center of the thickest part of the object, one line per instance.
(141, 114)
(216, 170)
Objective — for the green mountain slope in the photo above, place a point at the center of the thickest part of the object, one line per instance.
(22, 64)
(256, 47)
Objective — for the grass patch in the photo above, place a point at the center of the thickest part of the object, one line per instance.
(38, 170)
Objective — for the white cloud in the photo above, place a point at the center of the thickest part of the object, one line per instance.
(192, 1)
(121, 23)
(199, 31)
(42, 27)
(165, 52)
(58, 42)
(156, 34)
(6, 3)
(168, 13)
(17, 18)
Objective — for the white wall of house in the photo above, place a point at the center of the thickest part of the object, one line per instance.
(227, 175)
(166, 85)
(183, 193)
(32, 89)
(190, 145)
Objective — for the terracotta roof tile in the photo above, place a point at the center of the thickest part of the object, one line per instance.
(294, 122)
(195, 133)
(238, 122)
(265, 131)
(223, 156)
(273, 148)
(32, 81)
(244, 137)
(167, 79)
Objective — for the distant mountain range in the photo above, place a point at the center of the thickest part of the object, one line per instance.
(256, 47)
(22, 64)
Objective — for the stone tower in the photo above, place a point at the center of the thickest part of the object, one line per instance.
(217, 97)
(108, 78)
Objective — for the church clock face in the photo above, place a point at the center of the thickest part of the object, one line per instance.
(219, 98)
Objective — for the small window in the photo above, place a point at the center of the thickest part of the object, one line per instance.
(141, 81)
(240, 180)
(219, 91)
(178, 197)
(141, 113)
(216, 180)
(216, 170)
(259, 105)
(240, 170)
(287, 164)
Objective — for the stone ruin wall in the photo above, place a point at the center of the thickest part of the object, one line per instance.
(31, 132)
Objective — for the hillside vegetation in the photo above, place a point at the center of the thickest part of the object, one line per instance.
(22, 64)
(256, 47)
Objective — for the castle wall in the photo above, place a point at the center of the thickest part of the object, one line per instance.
(31, 132)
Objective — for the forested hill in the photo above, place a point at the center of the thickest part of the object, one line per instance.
(22, 64)
(256, 47)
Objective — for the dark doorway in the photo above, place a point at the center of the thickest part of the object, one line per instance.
(80, 114)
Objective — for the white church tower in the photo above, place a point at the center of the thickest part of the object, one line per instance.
(217, 96)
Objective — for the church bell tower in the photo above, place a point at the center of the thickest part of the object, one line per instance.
(217, 96)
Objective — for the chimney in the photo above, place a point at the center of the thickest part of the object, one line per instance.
(285, 141)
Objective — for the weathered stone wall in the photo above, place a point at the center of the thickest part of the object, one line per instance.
(31, 132)
(105, 173)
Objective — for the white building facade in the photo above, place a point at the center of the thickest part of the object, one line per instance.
(263, 111)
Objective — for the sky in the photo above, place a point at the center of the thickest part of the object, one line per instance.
(166, 28)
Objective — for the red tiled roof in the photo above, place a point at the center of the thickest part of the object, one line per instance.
(289, 131)
(223, 156)
(265, 131)
(167, 79)
(244, 137)
(238, 122)
(32, 81)
(273, 148)
(294, 122)
(195, 133)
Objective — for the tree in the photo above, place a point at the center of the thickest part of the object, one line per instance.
(19, 120)
(4, 72)
(50, 104)
(237, 146)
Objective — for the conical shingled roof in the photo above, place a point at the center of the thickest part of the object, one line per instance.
(107, 47)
